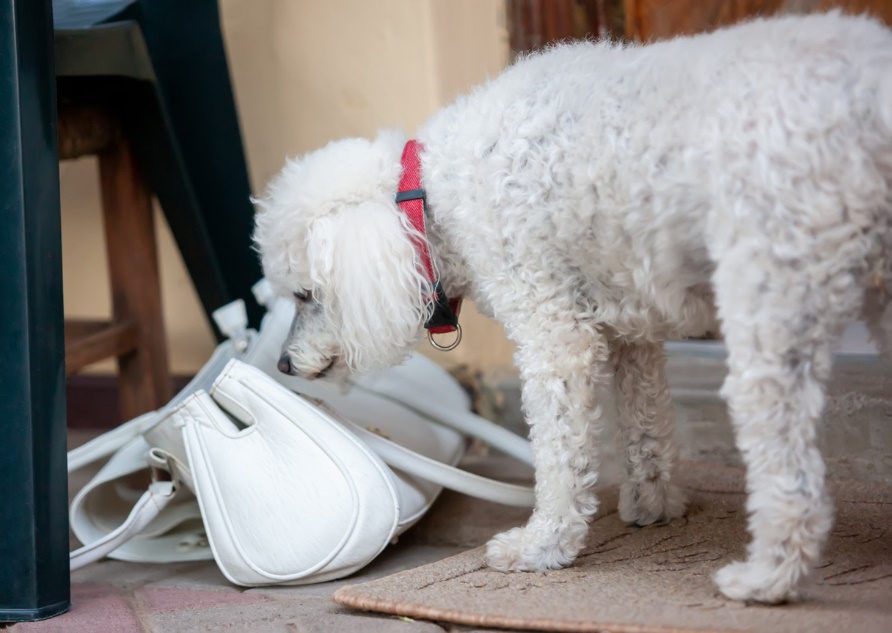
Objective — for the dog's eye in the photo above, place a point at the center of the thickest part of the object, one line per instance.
(303, 296)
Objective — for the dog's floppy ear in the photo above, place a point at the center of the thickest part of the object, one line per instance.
(363, 260)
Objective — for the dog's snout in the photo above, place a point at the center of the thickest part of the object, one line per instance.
(284, 364)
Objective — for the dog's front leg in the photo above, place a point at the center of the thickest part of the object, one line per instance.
(645, 426)
(562, 366)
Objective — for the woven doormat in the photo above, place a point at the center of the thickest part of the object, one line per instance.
(657, 579)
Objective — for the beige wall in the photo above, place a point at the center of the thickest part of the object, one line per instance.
(306, 72)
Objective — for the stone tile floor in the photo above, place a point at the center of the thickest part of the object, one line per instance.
(118, 597)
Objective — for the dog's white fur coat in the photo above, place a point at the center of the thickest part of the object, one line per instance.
(596, 199)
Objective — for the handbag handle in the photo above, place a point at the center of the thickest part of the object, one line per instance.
(131, 457)
(147, 508)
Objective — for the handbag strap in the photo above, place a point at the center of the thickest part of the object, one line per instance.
(459, 419)
(400, 457)
(110, 442)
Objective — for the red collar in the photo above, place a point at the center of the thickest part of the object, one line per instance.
(410, 199)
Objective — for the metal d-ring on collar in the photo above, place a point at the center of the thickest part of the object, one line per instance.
(443, 319)
(445, 348)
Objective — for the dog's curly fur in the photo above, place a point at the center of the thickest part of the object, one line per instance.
(596, 199)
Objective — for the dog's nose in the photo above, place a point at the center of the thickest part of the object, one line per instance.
(285, 364)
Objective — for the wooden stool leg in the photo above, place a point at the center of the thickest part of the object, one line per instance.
(144, 378)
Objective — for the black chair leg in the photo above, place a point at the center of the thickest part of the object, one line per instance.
(185, 44)
(34, 577)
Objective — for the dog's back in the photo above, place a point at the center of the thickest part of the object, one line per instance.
(678, 150)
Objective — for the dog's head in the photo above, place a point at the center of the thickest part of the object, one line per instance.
(331, 235)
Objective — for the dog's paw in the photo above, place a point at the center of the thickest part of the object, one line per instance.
(648, 502)
(757, 582)
(531, 549)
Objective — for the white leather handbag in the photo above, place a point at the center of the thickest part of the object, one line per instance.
(279, 479)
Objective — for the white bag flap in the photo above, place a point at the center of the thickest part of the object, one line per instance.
(285, 491)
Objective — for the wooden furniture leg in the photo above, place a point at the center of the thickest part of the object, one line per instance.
(144, 379)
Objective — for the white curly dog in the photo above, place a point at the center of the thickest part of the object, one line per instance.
(597, 199)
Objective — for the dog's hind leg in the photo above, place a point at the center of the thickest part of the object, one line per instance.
(779, 320)
(645, 427)
(563, 365)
